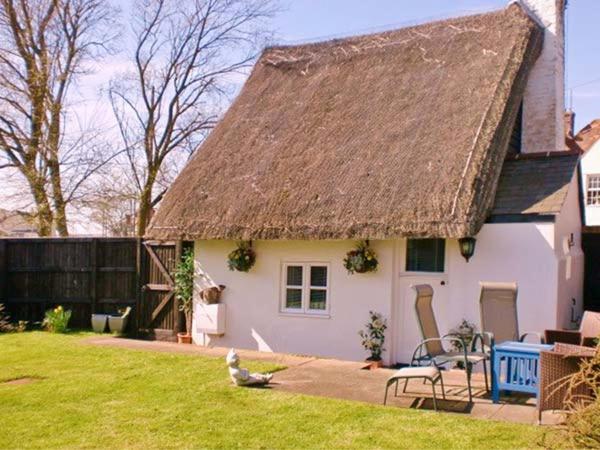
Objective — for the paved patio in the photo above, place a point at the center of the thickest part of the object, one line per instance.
(348, 380)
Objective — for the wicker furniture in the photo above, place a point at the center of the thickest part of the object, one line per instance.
(431, 350)
(587, 335)
(515, 368)
(431, 374)
(556, 366)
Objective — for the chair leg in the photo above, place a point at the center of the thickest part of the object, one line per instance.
(405, 384)
(469, 370)
(396, 389)
(387, 385)
(485, 375)
(434, 397)
(442, 384)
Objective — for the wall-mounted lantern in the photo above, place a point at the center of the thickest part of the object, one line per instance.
(467, 247)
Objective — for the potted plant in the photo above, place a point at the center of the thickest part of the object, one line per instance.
(361, 260)
(242, 258)
(184, 290)
(465, 331)
(57, 320)
(373, 337)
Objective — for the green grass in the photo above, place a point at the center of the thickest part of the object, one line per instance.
(104, 397)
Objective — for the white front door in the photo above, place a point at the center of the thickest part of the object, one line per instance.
(407, 332)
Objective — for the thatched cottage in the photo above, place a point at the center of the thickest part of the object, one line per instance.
(412, 139)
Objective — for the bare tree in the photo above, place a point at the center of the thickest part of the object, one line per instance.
(44, 47)
(187, 54)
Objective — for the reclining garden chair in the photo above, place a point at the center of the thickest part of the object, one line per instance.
(431, 350)
(589, 331)
(499, 320)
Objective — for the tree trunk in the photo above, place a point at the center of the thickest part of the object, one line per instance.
(58, 199)
(144, 211)
(43, 216)
(145, 206)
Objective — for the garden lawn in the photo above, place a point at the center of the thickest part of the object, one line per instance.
(85, 396)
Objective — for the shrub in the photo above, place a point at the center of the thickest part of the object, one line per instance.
(57, 319)
(582, 427)
(373, 336)
(5, 324)
(184, 286)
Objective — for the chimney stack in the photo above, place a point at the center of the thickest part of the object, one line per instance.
(544, 103)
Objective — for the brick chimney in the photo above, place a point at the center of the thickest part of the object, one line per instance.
(543, 103)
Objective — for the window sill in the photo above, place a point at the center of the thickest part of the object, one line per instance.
(424, 274)
(304, 315)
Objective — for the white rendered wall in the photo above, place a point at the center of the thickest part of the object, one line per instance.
(590, 165)
(521, 252)
(543, 103)
(570, 258)
(253, 298)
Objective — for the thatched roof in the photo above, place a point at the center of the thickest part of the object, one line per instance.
(401, 133)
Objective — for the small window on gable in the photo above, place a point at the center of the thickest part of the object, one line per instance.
(425, 255)
(516, 137)
(592, 195)
(305, 288)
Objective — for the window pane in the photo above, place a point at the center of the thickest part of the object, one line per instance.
(318, 299)
(425, 255)
(294, 275)
(593, 190)
(293, 298)
(318, 276)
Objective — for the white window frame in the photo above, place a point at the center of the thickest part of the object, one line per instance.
(305, 310)
(589, 179)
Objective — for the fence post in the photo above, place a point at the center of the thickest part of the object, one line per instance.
(3, 270)
(138, 285)
(94, 275)
(177, 313)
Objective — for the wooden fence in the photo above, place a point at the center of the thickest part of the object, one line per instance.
(86, 275)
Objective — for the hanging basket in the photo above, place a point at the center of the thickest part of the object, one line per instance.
(242, 258)
(361, 260)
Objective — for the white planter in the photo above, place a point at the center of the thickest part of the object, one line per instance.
(210, 319)
(117, 324)
(99, 322)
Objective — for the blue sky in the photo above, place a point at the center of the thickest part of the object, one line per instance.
(303, 20)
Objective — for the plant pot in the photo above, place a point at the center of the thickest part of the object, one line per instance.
(99, 322)
(374, 364)
(117, 324)
(184, 338)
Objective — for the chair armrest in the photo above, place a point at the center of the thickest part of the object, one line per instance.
(539, 336)
(564, 336)
(418, 353)
(481, 337)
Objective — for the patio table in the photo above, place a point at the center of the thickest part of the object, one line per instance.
(515, 368)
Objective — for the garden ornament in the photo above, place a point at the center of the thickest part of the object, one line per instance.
(241, 377)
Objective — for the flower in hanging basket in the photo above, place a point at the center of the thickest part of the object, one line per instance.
(361, 260)
(242, 258)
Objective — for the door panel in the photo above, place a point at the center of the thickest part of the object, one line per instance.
(408, 334)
